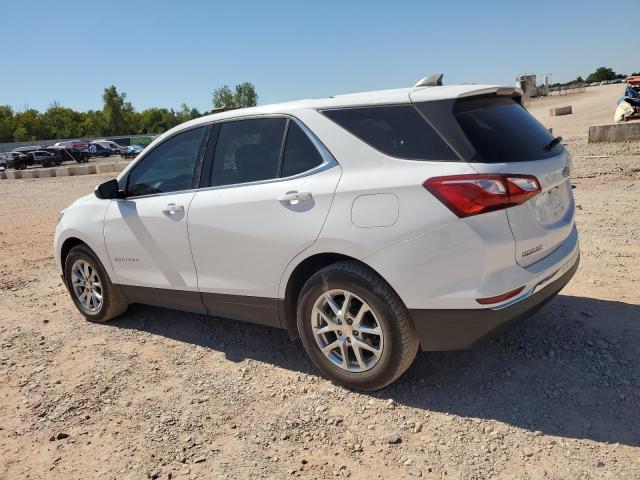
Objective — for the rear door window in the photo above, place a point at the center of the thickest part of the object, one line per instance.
(501, 130)
(248, 150)
(396, 130)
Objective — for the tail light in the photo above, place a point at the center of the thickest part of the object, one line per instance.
(467, 195)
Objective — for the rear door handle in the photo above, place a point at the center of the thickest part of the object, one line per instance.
(172, 208)
(295, 197)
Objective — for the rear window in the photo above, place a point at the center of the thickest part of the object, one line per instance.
(397, 130)
(501, 130)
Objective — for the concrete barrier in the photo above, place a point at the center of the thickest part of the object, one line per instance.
(558, 111)
(619, 132)
(105, 167)
(80, 170)
(62, 172)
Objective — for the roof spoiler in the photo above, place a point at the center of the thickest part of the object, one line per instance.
(434, 80)
(514, 92)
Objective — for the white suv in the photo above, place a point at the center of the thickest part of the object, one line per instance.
(368, 224)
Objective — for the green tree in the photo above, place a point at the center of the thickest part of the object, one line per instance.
(6, 123)
(20, 134)
(245, 95)
(61, 122)
(93, 124)
(28, 126)
(117, 117)
(114, 110)
(223, 98)
(601, 74)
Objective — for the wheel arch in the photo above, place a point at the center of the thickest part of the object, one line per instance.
(298, 277)
(67, 245)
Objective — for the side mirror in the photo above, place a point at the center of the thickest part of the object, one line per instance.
(109, 190)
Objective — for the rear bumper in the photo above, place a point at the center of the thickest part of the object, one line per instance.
(440, 330)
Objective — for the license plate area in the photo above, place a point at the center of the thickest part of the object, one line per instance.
(552, 205)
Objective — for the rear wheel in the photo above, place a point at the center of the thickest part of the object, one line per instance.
(354, 327)
(90, 287)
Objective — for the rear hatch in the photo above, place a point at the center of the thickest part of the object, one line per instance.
(495, 134)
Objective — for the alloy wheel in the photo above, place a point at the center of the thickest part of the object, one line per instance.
(87, 286)
(347, 330)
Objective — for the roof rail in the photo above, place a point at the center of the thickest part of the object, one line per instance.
(434, 80)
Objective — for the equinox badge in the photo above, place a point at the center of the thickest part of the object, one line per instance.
(531, 251)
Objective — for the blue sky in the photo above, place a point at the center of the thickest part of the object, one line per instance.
(164, 53)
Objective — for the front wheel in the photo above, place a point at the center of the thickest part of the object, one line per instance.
(354, 327)
(90, 287)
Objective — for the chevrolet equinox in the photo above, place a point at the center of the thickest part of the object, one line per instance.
(368, 225)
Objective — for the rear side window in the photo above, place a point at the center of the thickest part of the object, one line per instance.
(300, 154)
(501, 130)
(248, 150)
(397, 130)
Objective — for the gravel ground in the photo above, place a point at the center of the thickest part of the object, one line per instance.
(162, 394)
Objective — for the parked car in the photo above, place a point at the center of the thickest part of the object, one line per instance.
(3, 163)
(65, 154)
(80, 156)
(46, 159)
(36, 156)
(99, 150)
(367, 225)
(131, 151)
(75, 144)
(18, 160)
(113, 146)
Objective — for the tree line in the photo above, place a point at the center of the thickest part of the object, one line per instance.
(117, 117)
(601, 74)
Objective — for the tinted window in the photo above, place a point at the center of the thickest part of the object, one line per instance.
(501, 130)
(300, 154)
(399, 131)
(169, 167)
(248, 150)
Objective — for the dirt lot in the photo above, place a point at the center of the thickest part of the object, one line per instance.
(164, 394)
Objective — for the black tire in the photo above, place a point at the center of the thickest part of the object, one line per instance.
(400, 339)
(114, 302)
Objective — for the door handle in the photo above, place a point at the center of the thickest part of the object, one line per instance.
(295, 197)
(172, 208)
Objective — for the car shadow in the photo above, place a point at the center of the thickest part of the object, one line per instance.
(570, 371)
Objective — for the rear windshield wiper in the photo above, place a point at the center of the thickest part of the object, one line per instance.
(549, 146)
